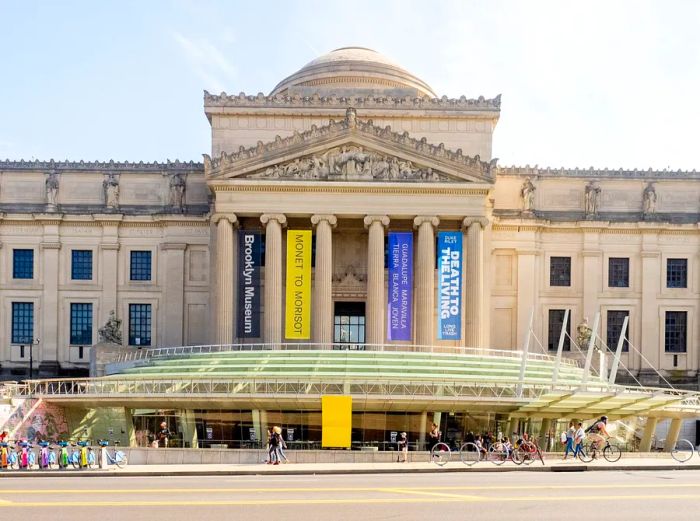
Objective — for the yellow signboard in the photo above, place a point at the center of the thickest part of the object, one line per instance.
(297, 320)
(336, 421)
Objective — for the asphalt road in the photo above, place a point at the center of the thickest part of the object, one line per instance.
(520, 496)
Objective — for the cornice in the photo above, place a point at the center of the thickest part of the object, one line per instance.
(350, 126)
(461, 104)
(103, 166)
(593, 173)
(333, 187)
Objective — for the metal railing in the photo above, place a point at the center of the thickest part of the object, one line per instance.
(166, 352)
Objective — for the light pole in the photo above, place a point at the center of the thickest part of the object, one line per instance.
(32, 343)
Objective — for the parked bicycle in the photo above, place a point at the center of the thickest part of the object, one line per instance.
(527, 452)
(591, 449)
(117, 457)
(440, 454)
(682, 451)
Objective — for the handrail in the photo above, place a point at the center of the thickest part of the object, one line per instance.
(166, 352)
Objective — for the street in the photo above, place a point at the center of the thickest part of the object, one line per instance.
(542, 496)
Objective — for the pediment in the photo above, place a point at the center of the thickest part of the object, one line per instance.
(349, 150)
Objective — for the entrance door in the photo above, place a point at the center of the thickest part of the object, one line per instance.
(349, 325)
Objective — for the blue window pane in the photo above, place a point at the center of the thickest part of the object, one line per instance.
(139, 324)
(140, 265)
(23, 264)
(22, 322)
(81, 265)
(81, 324)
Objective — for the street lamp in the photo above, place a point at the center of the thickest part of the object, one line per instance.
(31, 343)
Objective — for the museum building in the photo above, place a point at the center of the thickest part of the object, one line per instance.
(349, 207)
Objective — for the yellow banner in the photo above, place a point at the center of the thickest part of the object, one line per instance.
(297, 320)
(336, 421)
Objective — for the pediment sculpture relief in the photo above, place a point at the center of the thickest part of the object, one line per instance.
(352, 163)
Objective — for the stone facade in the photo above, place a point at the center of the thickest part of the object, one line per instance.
(350, 148)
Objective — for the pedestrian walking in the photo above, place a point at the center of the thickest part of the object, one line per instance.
(434, 435)
(272, 456)
(402, 447)
(570, 434)
(578, 439)
(281, 445)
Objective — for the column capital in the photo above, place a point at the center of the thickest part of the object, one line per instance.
(279, 217)
(481, 221)
(423, 219)
(383, 219)
(230, 217)
(329, 218)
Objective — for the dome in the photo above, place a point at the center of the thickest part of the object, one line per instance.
(352, 71)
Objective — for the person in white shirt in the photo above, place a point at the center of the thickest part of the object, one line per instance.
(578, 439)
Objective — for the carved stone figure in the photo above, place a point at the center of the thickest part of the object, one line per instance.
(51, 190)
(527, 192)
(592, 196)
(649, 201)
(177, 191)
(583, 334)
(110, 186)
(112, 330)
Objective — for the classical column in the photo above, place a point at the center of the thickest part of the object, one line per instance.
(272, 320)
(224, 276)
(473, 229)
(425, 279)
(376, 305)
(322, 322)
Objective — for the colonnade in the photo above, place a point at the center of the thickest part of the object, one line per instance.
(376, 305)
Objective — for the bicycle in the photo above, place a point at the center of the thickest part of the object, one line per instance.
(682, 451)
(611, 452)
(440, 454)
(117, 457)
(526, 453)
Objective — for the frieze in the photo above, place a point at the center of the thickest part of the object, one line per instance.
(352, 124)
(605, 173)
(381, 102)
(107, 166)
(351, 163)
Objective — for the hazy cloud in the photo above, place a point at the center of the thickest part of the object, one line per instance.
(207, 61)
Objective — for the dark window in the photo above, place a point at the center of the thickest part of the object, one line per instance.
(22, 264)
(560, 271)
(140, 265)
(81, 324)
(618, 272)
(139, 324)
(22, 322)
(615, 320)
(677, 273)
(556, 319)
(349, 323)
(675, 332)
(81, 265)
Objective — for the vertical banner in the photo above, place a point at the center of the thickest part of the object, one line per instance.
(336, 421)
(249, 298)
(449, 291)
(400, 293)
(297, 321)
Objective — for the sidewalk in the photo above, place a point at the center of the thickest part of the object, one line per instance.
(551, 465)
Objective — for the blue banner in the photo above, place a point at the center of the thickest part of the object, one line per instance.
(249, 297)
(400, 294)
(449, 290)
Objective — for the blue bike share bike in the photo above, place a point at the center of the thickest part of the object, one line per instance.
(117, 457)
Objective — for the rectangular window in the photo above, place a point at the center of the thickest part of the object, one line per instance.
(615, 320)
(560, 271)
(618, 272)
(675, 331)
(22, 264)
(139, 324)
(677, 273)
(81, 265)
(81, 324)
(22, 322)
(556, 319)
(140, 265)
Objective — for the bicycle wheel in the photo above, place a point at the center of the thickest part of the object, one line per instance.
(527, 452)
(612, 453)
(120, 459)
(75, 459)
(31, 460)
(13, 461)
(497, 455)
(589, 452)
(91, 460)
(683, 451)
(53, 461)
(440, 454)
(469, 453)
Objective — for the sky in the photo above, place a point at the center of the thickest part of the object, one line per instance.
(611, 84)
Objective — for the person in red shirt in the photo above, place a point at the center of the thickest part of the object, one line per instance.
(3, 436)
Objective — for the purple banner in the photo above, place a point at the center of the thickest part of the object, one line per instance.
(400, 285)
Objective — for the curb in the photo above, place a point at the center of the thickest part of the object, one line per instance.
(321, 472)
